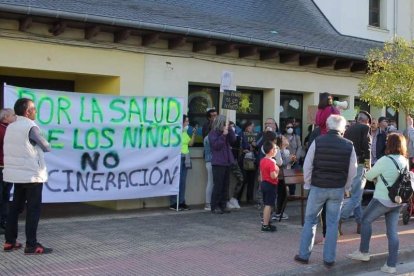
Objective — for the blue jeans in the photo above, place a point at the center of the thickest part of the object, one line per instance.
(374, 210)
(357, 190)
(333, 197)
(183, 180)
(210, 183)
(31, 195)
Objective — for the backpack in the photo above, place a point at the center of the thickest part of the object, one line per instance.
(401, 191)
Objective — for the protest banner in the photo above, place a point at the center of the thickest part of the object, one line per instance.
(107, 147)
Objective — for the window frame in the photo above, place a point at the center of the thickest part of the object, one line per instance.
(283, 121)
(257, 119)
(200, 117)
(358, 102)
(374, 13)
(390, 117)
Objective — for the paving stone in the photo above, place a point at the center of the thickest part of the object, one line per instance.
(161, 242)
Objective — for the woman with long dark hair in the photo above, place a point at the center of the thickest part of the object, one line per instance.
(325, 109)
(384, 169)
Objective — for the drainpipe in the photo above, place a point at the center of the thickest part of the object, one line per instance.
(395, 19)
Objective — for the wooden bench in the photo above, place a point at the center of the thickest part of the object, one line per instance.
(295, 177)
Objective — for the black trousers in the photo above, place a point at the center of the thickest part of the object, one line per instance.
(31, 195)
(4, 199)
(221, 179)
(282, 192)
(249, 181)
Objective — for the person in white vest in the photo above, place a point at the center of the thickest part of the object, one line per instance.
(25, 167)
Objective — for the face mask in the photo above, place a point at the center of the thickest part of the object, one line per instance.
(185, 128)
(286, 152)
(234, 129)
(290, 130)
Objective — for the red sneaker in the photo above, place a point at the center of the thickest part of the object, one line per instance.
(7, 247)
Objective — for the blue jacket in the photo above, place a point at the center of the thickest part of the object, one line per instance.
(221, 147)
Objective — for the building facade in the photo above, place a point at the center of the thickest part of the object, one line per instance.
(379, 20)
(282, 54)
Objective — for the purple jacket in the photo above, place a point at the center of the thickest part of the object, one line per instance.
(221, 147)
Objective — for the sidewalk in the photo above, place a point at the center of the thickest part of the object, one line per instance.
(93, 241)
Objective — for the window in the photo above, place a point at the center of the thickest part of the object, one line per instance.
(199, 99)
(374, 13)
(392, 116)
(361, 105)
(202, 97)
(250, 109)
(291, 106)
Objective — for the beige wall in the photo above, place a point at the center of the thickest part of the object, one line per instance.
(95, 70)
(124, 72)
(171, 76)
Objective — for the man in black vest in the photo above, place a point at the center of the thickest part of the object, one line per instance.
(329, 168)
(360, 136)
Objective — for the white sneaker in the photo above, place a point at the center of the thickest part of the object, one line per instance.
(359, 256)
(235, 203)
(388, 269)
(229, 205)
(207, 207)
(277, 216)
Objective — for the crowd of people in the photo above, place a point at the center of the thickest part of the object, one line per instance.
(337, 158)
(238, 151)
(339, 162)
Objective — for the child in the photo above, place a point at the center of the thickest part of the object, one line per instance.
(269, 172)
(267, 136)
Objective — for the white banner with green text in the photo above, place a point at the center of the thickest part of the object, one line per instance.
(107, 147)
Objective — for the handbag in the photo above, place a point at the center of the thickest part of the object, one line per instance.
(402, 189)
(187, 161)
(249, 162)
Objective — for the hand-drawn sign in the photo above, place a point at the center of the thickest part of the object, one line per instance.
(231, 99)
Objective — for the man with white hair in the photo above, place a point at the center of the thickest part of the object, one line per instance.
(7, 116)
(330, 165)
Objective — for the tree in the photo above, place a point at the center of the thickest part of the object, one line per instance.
(390, 78)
